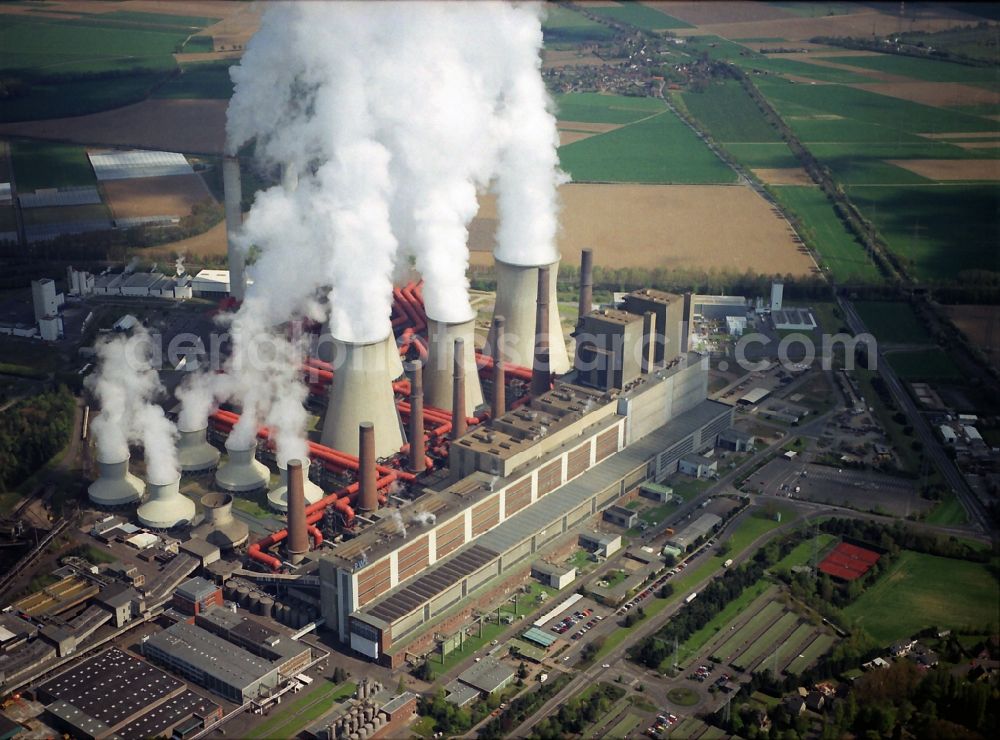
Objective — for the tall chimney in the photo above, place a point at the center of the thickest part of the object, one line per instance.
(233, 195)
(298, 537)
(416, 373)
(540, 373)
(458, 425)
(366, 468)
(499, 375)
(586, 283)
(648, 341)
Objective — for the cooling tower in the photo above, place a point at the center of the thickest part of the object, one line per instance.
(219, 527)
(278, 498)
(361, 390)
(297, 543)
(241, 472)
(233, 195)
(194, 453)
(439, 369)
(165, 507)
(115, 486)
(517, 288)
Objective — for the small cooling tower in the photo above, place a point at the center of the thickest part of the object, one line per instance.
(241, 472)
(361, 390)
(517, 290)
(219, 527)
(440, 366)
(194, 453)
(278, 498)
(165, 507)
(232, 196)
(115, 486)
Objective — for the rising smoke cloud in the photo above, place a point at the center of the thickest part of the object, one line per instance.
(126, 386)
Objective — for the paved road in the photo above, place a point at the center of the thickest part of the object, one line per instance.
(932, 448)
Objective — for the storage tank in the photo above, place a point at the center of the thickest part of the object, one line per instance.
(194, 453)
(229, 590)
(220, 527)
(278, 497)
(243, 596)
(165, 507)
(267, 607)
(241, 472)
(253, 602)
(115, 485)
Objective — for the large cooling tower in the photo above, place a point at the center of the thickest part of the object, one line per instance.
(165, 507)
(241, 472)
(517, 290)
(233, 195)
(361, 390)
(440, 366)
(278, 498)
(115, 486)
(194, 453)
(219, 527)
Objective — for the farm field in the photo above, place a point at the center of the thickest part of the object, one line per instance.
(203, 80)
(601, 108)
(563, 28)
(926, 364)
(63, 214)
(921, 591)
(930, 70)
(174, 195)
(639, 15)
(980, 325)
(893, 321)
(770, 156)
(730, 115)
(722, 227)
(658, 149)
(940, 94)
(40, 164)
(823, 230)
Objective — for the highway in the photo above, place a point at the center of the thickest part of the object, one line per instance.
(932, 448)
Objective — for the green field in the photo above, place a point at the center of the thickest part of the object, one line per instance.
(638, 15)
(823, 230)
(780, 653)
(301, 711)
(764, 644)
(930, 70)
(767, 615)
(159, 19)
(773, 156)
(625, 727)
(802, 554)
(565, 28)
(730, 115)
(41, 164)
(893, 321)
(809, 656)
(659, 149)
(202, 80)
(602, 108)
(751, 599)
(938, 232)
(800, 69)
(925, 364)
(948, 511)
(921, 591)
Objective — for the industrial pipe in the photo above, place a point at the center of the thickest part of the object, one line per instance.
(298, 536)
(541, 379)
(366, 474)
(458, 425)
(416, 445)
(499, 406)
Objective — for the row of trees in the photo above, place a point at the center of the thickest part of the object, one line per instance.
(31, 432)
(576, 715)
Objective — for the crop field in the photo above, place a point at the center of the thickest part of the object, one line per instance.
(926, 364)
(729, 114)
(601, 108)
(722, 227)
(203, 80)
(940, 94)
(175, 195)
(943, 170)
(795, 68)
(563, 27)
(783, 176)
(938, 231)
(642, 16)
(980, 325)
(811, 654)
(893, 321)
(658, 149)
(40, 164)
(771, 156)
(930, 70)
(823, 230)
(921, 591)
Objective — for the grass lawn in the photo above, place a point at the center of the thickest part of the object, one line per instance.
(684, 696)
(948, 511)
(424, 727)
(580, 560)
(41, 164)
(893, 321)
(909, 460)
(659, 149)
(527, 603)
(160, 19)
(925, 364)
(639, 15)
(802, 554)
(921, 591)
(730, 115)
(295, 715)
(822, 229)
(602, 108)
(491, 631)
(809, 656)
(254, 504)
(202, 80)
(657, 514)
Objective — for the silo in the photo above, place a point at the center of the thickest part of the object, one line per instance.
(229, 589)
(266, 606)
(243, 596)
(253, 602)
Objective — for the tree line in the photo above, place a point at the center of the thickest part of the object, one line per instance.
(31, 432)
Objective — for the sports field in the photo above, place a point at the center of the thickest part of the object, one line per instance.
(893, 321)
(810, 654)
(921, 591)
(751, 600)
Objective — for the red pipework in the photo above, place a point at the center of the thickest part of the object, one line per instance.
(485, 362)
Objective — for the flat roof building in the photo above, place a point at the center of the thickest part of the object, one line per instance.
(488, 675)
(555, 576)
(700, 527)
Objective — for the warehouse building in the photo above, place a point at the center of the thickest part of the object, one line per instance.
(196, 595)
(621, 516)
(700, 527)
(550, 574)
(291, 657)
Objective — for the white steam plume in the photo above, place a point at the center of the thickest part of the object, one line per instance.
(126, 385)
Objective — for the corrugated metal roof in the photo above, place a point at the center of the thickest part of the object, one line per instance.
(137, 163)
(69, 197)
(538, 636)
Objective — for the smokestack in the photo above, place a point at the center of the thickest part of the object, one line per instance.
(361, 390)
(165, 507)
(458, 424)
(540, 372)
(517, 288)
(220, 528)
(194, 453)
(366, 469)
(241, 472)
(685, 327)
(438, 371)
(649, 341)
(278, 497)
(115, 485)
(416, 372)
(499, 375)
(586, 283)
(298, 537)
(233, 196)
